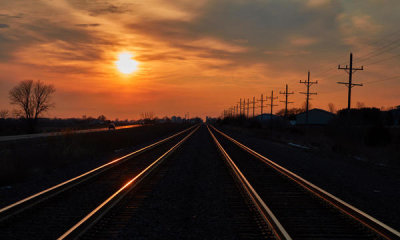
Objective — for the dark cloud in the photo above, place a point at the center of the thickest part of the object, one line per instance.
(159, 56)
(74, 43)
(88, 25)
(11, 16)
(261, 26)
(2, 25)
(99, 7)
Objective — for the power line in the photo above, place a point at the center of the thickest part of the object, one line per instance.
(383, 80)
(383, 60)
(382, 49)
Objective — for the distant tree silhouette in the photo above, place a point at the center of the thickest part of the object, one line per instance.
(281, 112)
(148, 117)
(102, 118)
(33, 98)
(304, 106)
(360, 105)
(3, 113)
(332, 108)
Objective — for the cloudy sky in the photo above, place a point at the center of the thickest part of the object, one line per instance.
(198, 56)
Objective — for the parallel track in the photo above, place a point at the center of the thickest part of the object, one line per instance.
(54, 209)
(296, 206)
(95, 215)
(191, 196)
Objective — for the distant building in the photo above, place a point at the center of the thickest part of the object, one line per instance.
(315, 117)
(267, 117)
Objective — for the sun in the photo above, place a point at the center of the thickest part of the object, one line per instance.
(125, 63)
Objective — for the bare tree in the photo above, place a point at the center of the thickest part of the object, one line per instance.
(3, 113)
(360, 105)
(305, 104)
(332, 108)
(32, 98)
(102, 118)
(147, 115)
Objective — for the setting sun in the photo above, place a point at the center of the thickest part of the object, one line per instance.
(125, 63)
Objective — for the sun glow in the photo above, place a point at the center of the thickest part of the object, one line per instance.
(125, 63)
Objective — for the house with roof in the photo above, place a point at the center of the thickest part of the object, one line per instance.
(316, 116)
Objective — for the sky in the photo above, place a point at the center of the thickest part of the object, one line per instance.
(200, 56)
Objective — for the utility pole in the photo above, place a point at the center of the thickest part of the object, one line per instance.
(254, 104)
(244, 107)
(248, 106)
(240, 107)
(287, 93)
(308, 84)
(237, 110)
(272, 102)
(261, 100)
(350, 70)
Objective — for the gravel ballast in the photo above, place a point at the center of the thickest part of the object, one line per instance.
(196, 198)
(371, 188)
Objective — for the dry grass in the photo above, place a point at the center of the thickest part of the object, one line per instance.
(21, 159)
(378, 146)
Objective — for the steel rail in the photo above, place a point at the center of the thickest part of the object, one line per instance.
(266, 213)
(36, 198)
(368, 221)
(95, 215)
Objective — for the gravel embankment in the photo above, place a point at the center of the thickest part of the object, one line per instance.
(371, 188)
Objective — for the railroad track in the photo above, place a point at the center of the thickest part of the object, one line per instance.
(192, 196)
(69, 208)
(293, 207)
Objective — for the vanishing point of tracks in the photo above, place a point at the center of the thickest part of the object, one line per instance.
(278, 203)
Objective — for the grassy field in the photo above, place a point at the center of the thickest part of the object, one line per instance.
(375, 144)
(22, 159)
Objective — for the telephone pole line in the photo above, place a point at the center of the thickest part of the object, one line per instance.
(236, 110)
(240, 107)
(261, 100)
(244, 107)
(272, 102)
(248, 106)
(308, 84)
(287, 93)
(350, 70)
(254, 104)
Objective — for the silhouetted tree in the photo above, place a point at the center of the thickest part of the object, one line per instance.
(102, 118)
(3, 113)
(32, 99)
(148, 117)
(360, 105)
(332, 108)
